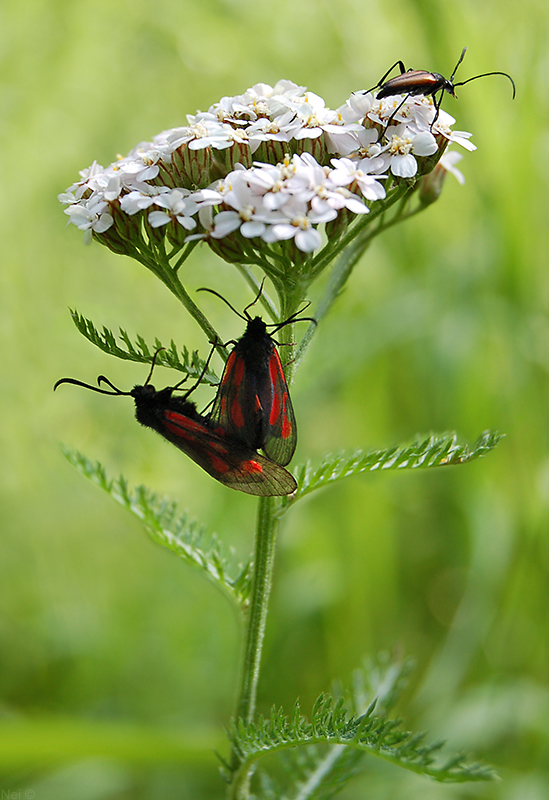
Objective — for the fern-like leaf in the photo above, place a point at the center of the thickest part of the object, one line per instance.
(333, 724)
(170, 528)
(434, 451)
(184, 361)
(319, 773)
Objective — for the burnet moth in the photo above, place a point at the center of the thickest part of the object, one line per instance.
(176, 419)
(414, 82)
(253, 402)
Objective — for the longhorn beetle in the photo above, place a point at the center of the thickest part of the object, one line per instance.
(414, 82)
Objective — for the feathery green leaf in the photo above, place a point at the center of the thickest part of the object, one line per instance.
(183, 361)
(318, 757)
(170, 528)
(333, 724)
(433, 451)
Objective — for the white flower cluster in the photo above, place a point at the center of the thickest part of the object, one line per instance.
(273, 163)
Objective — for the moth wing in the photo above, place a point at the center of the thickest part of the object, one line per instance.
(280, 433)
(227, 460)
(237, 407)
(254, 407)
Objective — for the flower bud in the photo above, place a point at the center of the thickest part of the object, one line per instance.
(192, 167)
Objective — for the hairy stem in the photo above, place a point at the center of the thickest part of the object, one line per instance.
(267, 527)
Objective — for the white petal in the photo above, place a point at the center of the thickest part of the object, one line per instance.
(404, 166)
(356, 206)
(158, 218)
(225, 222)
(425, 144)
(281, 231)
(251, 229)
(187, 222)
(308, 240)
(103, 223)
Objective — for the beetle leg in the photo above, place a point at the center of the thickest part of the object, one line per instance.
(437, 107)
(398, 64)
(397, 109)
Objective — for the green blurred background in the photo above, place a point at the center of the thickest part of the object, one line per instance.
(118, 662)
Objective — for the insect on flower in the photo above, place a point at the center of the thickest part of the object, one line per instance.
(176, 419)
(414, 82)
(253, 401)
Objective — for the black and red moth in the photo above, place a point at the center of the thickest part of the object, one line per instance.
(208, 444)
(253, 402)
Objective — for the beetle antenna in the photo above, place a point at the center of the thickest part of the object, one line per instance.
(484, 75)
(457, 65)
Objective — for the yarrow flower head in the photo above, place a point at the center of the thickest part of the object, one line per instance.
(272, 173)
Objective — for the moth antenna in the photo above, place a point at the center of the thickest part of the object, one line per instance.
(101, 379)
(254, 301)
(293, 318)
(199, 379)
(212, 291)
(153, 364)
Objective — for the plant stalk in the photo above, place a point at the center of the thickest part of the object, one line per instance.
(262, 581)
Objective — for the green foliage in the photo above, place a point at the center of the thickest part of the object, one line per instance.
(332, 723)
(171, 529)
(435, 451)
(324, 753)
(188, 540)
(189, 363)
(321, 771)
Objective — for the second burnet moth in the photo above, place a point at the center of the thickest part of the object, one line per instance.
(415, 82)
(177, 420)
(253, 401)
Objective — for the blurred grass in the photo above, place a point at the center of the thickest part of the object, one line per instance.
(445, 325)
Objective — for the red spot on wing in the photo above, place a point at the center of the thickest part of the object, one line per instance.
(237, 417)
(219, 446)
(278, 382)
(238, 371)
(183, 422)
(218, 464)
(275, 367)
(286, 424)
(228, 368)
(252, 467)
(182, 426)
(275, 409)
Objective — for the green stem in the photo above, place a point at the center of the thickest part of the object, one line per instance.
(262, 580)
(170, 279)
(345, 264)
(358, 230)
